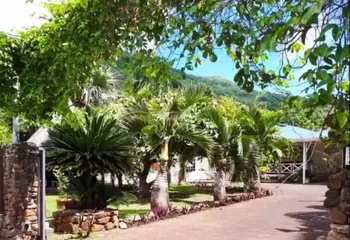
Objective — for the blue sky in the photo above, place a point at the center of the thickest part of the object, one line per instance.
(224, 67)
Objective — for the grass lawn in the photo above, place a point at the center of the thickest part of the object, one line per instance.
(180, 196)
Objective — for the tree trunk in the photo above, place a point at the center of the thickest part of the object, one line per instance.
(258, 181)
(113, 177)
(182, 170)
(170, 164)
(144, 187)
(120, 180)
(219, 185)
(159, 190)
(103, 180)
(103, 183)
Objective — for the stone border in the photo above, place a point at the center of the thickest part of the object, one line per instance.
(176, 212)
(81, 221)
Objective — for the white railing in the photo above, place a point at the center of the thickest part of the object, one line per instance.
(284, 168)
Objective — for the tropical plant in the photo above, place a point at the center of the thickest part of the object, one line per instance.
(63, 180)
(262, 126)
(99, 145)
(101, 88)
(245, 162)
(226, 135)
(163, 121)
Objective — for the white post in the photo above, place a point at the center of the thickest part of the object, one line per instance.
(304, 162)
(15, 130)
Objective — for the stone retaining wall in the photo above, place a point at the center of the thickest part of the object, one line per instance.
(20, 192)
(77, 221)
(338, 203)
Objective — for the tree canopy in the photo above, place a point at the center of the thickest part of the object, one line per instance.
(43, 65)
(252, 31)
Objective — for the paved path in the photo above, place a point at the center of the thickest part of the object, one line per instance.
(294, 212)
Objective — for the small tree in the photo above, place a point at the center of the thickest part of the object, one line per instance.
(261, 125)
(163, 120)
(226, 134)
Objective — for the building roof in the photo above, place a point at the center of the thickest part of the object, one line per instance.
(292, 133)
(39, 137)
(298, 134)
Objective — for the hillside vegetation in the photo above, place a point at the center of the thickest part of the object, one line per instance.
(224, 87)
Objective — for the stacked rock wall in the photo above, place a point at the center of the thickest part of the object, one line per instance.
(75, 221)
(338, 203)
(20, 190)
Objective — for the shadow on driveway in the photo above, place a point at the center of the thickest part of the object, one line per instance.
(312, 225)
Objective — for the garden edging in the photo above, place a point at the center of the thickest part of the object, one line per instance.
(83, 221)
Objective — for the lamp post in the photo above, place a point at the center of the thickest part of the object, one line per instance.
(346, 157)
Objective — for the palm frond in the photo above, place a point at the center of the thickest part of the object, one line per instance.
(221, 124)
(198, 137)
(98, 145)
(196, 94)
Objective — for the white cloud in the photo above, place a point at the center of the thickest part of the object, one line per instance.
(16, 15)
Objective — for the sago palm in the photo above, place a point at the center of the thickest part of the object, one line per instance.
(99, 145)
(163, 121)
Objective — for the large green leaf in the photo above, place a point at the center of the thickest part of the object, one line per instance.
(313, 59)
(322, 51)
(314, 9)
(342, 118)
(323, 76)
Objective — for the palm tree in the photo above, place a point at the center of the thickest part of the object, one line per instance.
(226, 135)
(262, 126)
(162, 122)
(99, 145)
(102, 87)
(244, 161)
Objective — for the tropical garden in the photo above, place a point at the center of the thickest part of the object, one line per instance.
(114, 106)
(160, 122)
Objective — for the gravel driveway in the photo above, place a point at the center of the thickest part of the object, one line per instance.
(293, 212)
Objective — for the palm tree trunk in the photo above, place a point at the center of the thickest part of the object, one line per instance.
(169, 165)
(113, 177)
(219, 185)
(103, 183)
(120, 180)
(144, 187)
(182, 170)
(258, 181)
(160, 189)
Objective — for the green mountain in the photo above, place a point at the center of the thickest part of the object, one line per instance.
(224, 87)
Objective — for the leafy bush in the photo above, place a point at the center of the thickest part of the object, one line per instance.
(63, 181)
